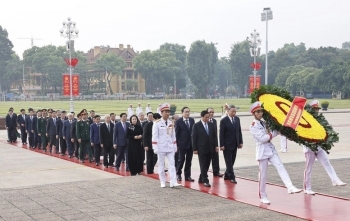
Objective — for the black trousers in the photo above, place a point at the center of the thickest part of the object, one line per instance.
(185, 157)
(204, 163)
(230, 158)
(176, 156)
(76, 148)
(215, 163)
(121, 152)
(37, 140)
(53, 142)
(151, 160)
(70, 146)
(63, 145)
(108, 154)
(23, 134)
(97, 152)
(31, 138)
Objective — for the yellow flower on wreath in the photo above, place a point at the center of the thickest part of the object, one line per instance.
(309, 128)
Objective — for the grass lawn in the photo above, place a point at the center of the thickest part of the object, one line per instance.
(116, 106)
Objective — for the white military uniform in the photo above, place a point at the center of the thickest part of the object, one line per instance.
(158, 111)
(148, 109)
(138, 110)
(266, 152)
(283, 144)
(164, 144)
(130, 112)
(322, 157)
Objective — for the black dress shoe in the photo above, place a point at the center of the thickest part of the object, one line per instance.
(233, 180)
(219, 175)
(226, 178)
(189, 179)
(117, 168)
(179, 178)
(207, 184)
(200, 181)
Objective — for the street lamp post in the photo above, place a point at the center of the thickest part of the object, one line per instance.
(266, 16)
(255, 43)
(69, 31)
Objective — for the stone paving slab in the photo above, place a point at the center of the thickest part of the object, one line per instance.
(130, 198)
(320, 180)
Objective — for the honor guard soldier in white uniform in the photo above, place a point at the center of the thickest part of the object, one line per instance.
(148, 108)
(138, 109)
(266, 152)
(164, 144)
(158, 110)
(322, 157)
(130, 111)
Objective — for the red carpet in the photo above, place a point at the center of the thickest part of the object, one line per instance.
(319, 207)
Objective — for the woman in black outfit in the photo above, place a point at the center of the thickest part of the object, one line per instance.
(135, 149)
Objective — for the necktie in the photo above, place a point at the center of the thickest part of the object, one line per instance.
(211, 120)
(233, 120)
(54, 121)
(206, 128)
(31, 118)
(23, 116)
(70, 121)
(166, 123)
(262, 124)
(124, 126)
(187, 124)
(108, 127)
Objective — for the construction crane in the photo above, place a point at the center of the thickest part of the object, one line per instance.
(31, 40)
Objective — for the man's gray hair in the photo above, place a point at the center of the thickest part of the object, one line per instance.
(107, 115)
(69, 114)
(231, 106)
(140, 113)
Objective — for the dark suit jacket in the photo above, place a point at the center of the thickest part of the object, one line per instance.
(21, 120)
(183, 134)
(31, 124)
(215, 125)
(51, 127)
(147, 135)
(95, 133)
(106, 137)
(11, 122)
(201, 141)
(91, 121)
(59, 127)
(66, 129)
(119, 135)
(73, 130)
(144, 123)
(230, 135)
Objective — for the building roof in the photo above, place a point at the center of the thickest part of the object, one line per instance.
(127, 53)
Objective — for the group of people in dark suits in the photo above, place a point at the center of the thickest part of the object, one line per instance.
(123, 141)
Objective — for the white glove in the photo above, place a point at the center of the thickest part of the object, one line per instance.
(155, 151)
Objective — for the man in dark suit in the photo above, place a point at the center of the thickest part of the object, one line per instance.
(95, 138)
(120, 142)
(149, 119)
(51, 131)
(106, 138)
(91, 117)
(147, 142)
(37, 140)
(113, 120)
(73, 134)
(11, 126)
(204, 143)
(21, 121)
(31, 127)
(215, 156)
(66, 133)
(183, 132)
(230, 140)
(59, 133)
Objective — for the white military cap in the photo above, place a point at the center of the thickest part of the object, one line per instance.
(315, 104)
(164, 107)
(255, 106)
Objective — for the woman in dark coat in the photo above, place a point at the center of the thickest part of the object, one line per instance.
(135, 149)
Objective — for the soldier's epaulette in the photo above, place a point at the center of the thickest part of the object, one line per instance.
(157, 120)
(253, 123)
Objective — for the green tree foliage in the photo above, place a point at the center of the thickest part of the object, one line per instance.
(157, 68)
(201, 60)
(112, 65)
(222, 75)
(5, 54)
(13, 73)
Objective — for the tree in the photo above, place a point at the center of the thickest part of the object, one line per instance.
(13, 73)
(201, 60)
(222, 74)
(130, 84)
(240, 60)
(112, 65)
(158, 68)
(5, 53)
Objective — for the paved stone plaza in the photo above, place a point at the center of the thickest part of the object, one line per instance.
(35, 186)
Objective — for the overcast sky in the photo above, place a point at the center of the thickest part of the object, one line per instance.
(146, 24)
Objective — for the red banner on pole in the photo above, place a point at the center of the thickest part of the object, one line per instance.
(251, 82)
(295, 112)
(73, 62)
(66, 85)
